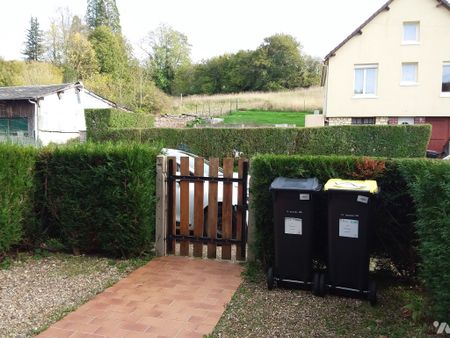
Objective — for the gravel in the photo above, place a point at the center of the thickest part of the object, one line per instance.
(36, 292)
(256, 312)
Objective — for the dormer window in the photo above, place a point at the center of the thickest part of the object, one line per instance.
(411, 33)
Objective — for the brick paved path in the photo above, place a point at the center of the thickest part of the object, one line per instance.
(168, 297)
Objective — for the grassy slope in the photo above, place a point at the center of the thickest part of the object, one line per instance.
(256, 117)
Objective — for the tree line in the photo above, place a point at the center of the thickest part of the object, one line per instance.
(95, 51)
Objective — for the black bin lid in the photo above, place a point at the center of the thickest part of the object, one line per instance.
(298, 184)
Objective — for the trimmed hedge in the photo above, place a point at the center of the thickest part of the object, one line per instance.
(429, 184)
(16, 168)
(100, 197)
(411, 226)
(100, 120)
(385, 141)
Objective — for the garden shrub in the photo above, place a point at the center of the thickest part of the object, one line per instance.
(100, 197)
(385, 141)
(100, 120)
(16, 189)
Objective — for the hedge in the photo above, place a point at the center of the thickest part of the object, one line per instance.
(385, 141)
(16, 169)
(100, 197)
(429, 185)
(411, 226)
(99, 120)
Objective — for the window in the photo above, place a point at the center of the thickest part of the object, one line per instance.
(446, 78)
(411, 32)
(409, 73)
(406, 120)
(365, 80)
(363, 120)
(13, 125)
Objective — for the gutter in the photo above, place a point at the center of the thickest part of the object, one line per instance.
(36, 110)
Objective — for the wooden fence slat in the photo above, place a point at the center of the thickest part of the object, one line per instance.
(173, 204)
(184, 207)
(227, 207)
(198, 207)
(212, 206)
(240, 214)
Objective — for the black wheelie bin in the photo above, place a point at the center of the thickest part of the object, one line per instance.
(293, 230)
(350, 206)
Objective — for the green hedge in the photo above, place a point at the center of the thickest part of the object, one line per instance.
(16, 189)
(100, 197)
(100, 120)
(412, 222)
(430, 187)
(386, 141)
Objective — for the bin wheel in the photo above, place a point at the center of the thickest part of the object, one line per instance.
(372, 296)
(270, 280)
(322, 285)
(316, 284)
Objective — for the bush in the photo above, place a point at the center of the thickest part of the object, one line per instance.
(16, 168)
(385, 141)
(100, 197)
(429, 183)
(100, 120)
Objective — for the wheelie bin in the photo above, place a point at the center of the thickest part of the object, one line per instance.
(293, 230)
(350, 206)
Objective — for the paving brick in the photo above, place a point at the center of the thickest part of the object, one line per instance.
(168, 297)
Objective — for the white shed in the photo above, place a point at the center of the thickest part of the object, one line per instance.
(47, 114)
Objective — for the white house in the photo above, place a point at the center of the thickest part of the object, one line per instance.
(394, 69)
(50, 113)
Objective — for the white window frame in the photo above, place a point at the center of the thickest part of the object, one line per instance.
(406, 82)
(444, 94)
(364, 94)
(417, 39)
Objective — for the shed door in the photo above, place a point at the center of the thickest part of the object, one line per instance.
(440, 133)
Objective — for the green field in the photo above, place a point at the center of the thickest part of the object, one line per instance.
(258, 117)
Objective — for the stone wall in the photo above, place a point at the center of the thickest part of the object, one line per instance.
(173, 121)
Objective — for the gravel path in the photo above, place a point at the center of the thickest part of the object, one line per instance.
(36, 292)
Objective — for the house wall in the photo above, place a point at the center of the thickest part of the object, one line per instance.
(381, 43)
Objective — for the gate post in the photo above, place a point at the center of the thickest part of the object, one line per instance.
(251, 228)
(161, 206)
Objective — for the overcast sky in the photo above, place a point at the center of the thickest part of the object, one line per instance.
(213, 27)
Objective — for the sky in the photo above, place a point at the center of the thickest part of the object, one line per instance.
(213, 27)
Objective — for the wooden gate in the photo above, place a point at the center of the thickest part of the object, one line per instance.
(207, 208)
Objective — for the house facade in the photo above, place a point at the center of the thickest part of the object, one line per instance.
(47, 114)
(394, 69)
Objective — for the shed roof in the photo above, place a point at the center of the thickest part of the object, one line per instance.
(358, 30)
(34, 92)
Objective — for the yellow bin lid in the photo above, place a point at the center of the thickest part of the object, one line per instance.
(351, 185)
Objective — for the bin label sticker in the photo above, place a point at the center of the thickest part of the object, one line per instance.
(348, 228)
(304, 197)
(293, 226)
(362, 199)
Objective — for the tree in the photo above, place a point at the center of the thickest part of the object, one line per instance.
(81, 60)
(284, 62)
(34, 48)
(103, 13)
(111, 51)
(168, 51)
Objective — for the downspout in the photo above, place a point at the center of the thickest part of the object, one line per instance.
(36, 110)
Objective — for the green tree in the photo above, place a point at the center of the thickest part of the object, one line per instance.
(283, 62)
(81, 60)
(168, 51)
(34, 47)
(111, 51)
(103, 13)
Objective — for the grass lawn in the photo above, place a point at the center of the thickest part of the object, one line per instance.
(259, 117)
